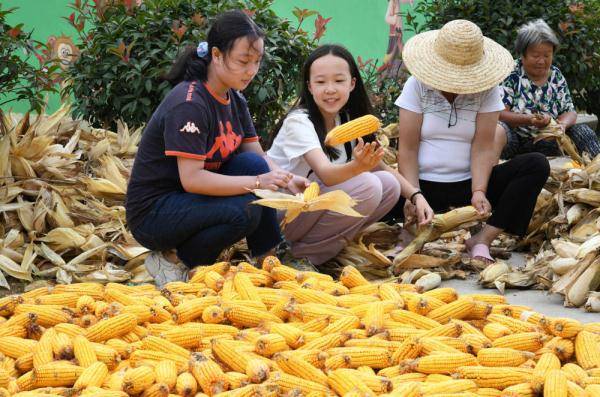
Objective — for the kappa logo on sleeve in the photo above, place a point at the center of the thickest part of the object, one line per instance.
(190, 127)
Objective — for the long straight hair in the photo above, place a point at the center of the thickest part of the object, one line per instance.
(358, 102)
(227, 28)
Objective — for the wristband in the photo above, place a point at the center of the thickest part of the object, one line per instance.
(412, 196)
(257, 183)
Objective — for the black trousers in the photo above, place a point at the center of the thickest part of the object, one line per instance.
(512, 191)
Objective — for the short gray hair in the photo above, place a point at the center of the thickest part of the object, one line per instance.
(533, 33)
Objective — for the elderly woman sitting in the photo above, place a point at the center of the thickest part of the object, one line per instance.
(535, 93)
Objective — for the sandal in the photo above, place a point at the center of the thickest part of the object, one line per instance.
(481, 252)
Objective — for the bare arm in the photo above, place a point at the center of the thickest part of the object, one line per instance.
(515, 119)
(366, 156)
(408, 145)
(483, 156)
(195, 179)
(568, 119)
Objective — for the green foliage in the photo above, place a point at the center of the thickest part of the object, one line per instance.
(19, 79)
(128, 48)
(577, 24)
(383, 89)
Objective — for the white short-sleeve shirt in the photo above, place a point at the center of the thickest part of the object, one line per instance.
(446, 133)
(297, 137)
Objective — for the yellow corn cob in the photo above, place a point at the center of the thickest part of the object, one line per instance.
(303, 295)
(388, 292)
(587, 350)
(480, 311)
(406, 389)
(344, 380)
(166, 373)
(443, 363)
(445, 294)
(248, 317)
(42, 352)
(503, 357)
(374, 342)
(25, 382)
(366, 370)
(592, 390)
(193, 308)
(311, 192)
(246, 289)
(352, 130)
(592, 327)
(83, 351)
(106, 354)
(495, 330)
(528, 341)
(8, 303)
(335, 361)
(513, 324)
(219, 267)
(94, 290)
(46, 316)
(14, 330)
(269, 344)
(14, 347)
(574, 390)
(519, 390)
(395, 332)
(378, 384)
(563, 348)
(359, 356)
(62, 346)
(162, 345)
(325, 342)
(188, 338)
(138, 379)
(373, 321)
(418, 304)
(293, 336)
(475, 342)
(283, 273)
(495, 377)
(555, 384)
(488, 298)
(488, 392)
(575, 373)
(457, 309)
(226, 352)
(56, 374)
(237, 379)
(208, 374)
(186, 385)
(449, 386)
(214, 280)
(409, 349)
(156, 390)
(450, 329)
(24, 363)
(413, 319)
(565, 327)
(64, 299)
(85, 304)
(429, 345)
(351, 277)
(296, 366)
(4, 379)
(257, 370)
(94, 375)
(112, 328)
(213, 315)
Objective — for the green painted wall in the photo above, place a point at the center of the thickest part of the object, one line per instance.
(357, 24)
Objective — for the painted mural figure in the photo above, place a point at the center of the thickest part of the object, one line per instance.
(393, 18)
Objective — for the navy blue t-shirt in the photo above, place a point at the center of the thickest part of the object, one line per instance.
(190, 122)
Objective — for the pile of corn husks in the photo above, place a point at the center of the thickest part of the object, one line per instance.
(62, 187)
(562, 241)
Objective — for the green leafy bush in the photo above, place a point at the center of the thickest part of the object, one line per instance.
(577, 24)
(19, 78)
(128, 48)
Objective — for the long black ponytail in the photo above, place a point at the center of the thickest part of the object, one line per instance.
(227, 28)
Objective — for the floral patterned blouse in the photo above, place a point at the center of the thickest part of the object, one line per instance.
(521, 95)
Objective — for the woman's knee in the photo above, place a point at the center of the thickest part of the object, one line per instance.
(254, 163)
(537, 163)
(389, 185)
(367, 193)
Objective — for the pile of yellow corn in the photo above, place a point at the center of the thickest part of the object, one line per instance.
(275, 331)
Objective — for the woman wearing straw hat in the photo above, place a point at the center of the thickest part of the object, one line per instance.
(535, 93)
(449, 110)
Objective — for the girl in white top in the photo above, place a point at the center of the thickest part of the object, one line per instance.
(332, 93)
(449, 110)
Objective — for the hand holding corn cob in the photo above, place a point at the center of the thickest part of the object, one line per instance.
(337, 201)
(353, 129)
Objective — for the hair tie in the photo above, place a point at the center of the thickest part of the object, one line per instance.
(202, 49)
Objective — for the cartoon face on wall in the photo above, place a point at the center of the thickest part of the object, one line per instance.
(63, 50)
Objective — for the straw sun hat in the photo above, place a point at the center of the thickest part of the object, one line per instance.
(457, 58)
